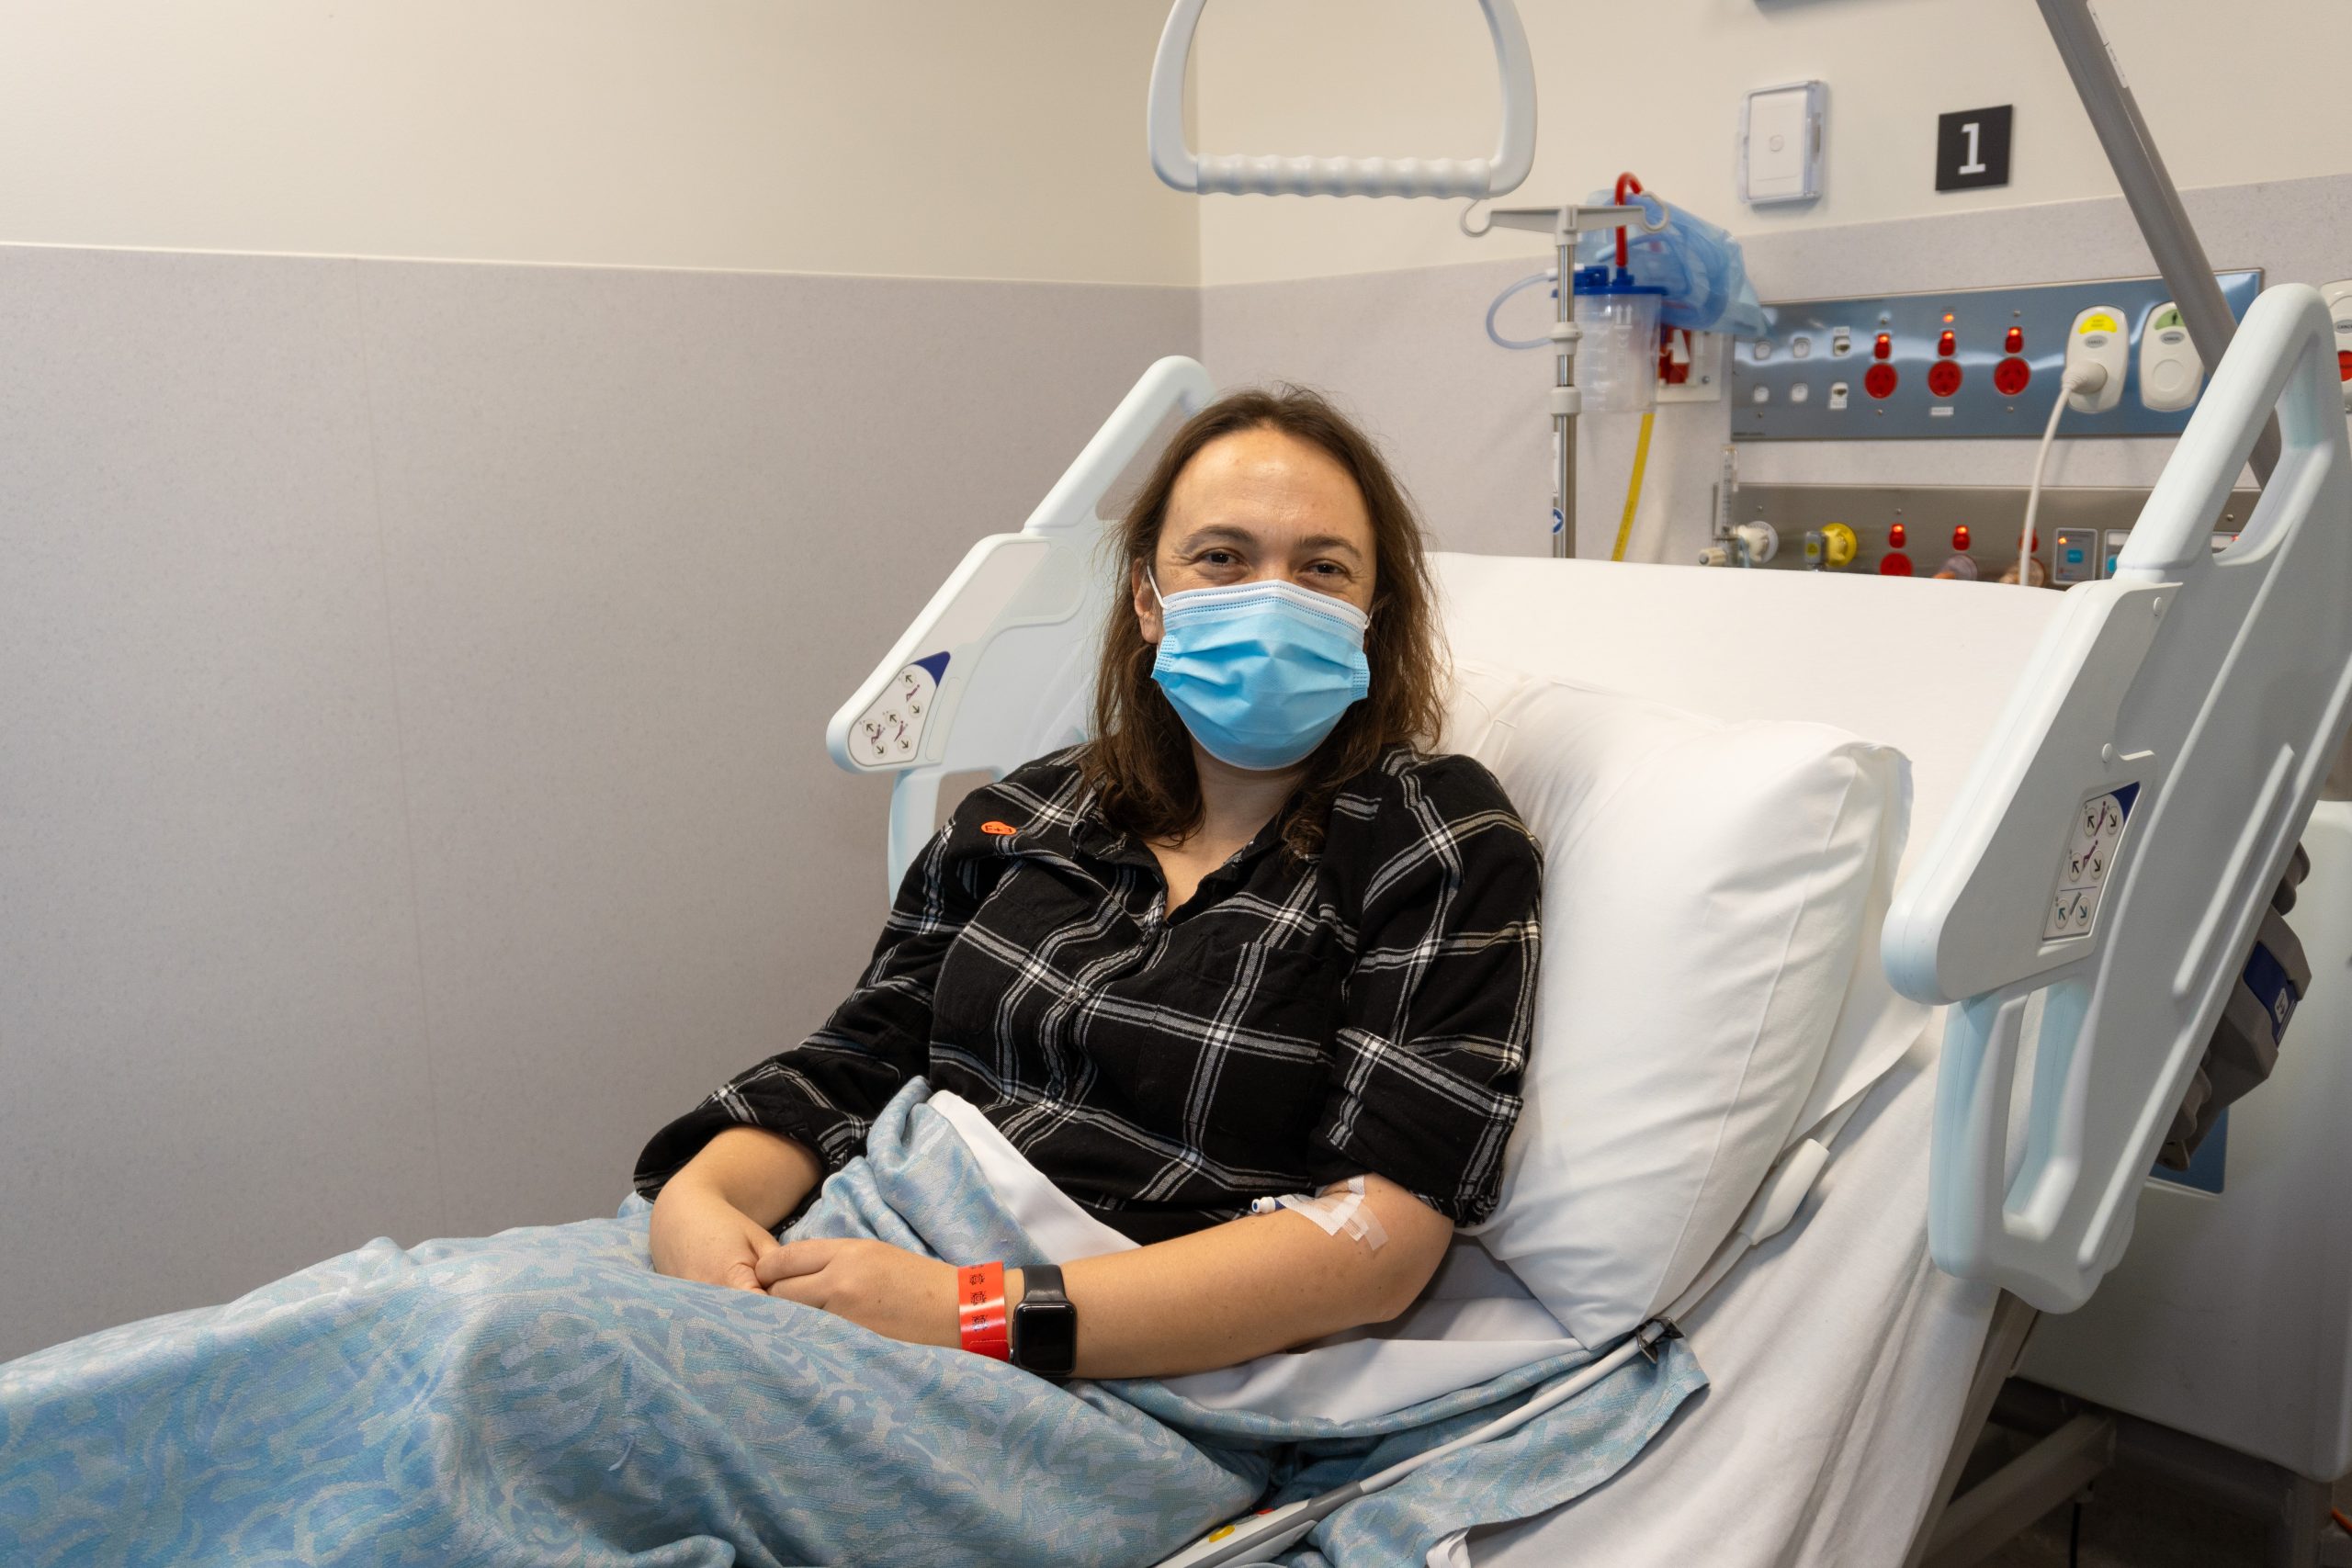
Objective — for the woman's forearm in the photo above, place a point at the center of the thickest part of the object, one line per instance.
(1247, 1288)
(762, 1174)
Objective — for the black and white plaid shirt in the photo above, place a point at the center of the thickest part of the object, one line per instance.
(1291, 1025)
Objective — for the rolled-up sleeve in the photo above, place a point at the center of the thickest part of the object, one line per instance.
(825, 1092)
(1441, 999)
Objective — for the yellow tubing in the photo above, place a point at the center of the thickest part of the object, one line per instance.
(1634, 490)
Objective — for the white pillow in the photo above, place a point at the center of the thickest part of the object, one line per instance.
(1710, 984)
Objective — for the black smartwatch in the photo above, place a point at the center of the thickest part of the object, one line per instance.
(1045, 1326)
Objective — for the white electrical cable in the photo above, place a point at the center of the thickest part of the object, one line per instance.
(2085, 378)
(1249, 1546)
(1567, 1388)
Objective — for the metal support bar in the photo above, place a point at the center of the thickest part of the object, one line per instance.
(1998, 1508)
(1566, 401)
(2292, 1507)
(2004, 1347)
(2155, 200)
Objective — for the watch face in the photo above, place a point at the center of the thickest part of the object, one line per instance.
(1045, 1335)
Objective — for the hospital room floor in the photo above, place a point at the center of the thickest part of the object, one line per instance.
(2137, 1520)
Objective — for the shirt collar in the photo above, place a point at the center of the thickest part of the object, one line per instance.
(1094, 835)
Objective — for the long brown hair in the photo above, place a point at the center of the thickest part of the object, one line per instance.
(1140, 761)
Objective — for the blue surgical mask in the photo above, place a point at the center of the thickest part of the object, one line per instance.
(1260, 671)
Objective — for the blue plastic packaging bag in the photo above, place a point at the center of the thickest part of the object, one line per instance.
(1698, 264)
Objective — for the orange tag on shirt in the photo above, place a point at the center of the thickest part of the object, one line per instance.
(1001, 829)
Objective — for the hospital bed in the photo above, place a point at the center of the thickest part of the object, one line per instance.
(2199, 697)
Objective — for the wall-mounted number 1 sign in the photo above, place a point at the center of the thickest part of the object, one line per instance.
(1973, 148)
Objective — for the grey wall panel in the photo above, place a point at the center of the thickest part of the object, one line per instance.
(212, 1060)
(411, 783)
(1463, 421)
(646, 530)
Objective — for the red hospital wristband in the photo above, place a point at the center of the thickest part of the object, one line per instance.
(980, 1310)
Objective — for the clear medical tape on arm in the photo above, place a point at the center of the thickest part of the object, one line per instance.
(1341, 1208)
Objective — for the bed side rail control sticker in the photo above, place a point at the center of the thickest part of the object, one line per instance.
(2094, 839)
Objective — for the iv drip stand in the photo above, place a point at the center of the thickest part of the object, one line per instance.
(1564, 224)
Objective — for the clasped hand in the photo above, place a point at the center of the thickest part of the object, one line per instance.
(877, 1286)
(872, 1283)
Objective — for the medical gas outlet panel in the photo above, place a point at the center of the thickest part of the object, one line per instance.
(1972, 363)
(1969, 531)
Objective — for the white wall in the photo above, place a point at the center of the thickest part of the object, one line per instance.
(1655, 86)
(920, 138)
(932, 139)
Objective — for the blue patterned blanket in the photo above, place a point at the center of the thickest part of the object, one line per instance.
(541, 1396)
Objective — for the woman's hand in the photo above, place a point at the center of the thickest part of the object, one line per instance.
(713, 1219)
(873, 1284)
(697, 1235)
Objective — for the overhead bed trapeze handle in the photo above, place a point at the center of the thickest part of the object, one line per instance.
(1179, 166)
(997, 669)
(2115, 842)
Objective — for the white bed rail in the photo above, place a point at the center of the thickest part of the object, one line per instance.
(1178, 165)
(2114, 845)
(995, 669)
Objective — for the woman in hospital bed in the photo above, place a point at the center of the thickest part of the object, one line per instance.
(1248, 943)
(1249, 963)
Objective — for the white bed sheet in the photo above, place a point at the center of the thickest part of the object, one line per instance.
(1838, 1358)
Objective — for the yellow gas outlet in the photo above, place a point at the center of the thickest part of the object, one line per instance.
(1838, 546)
